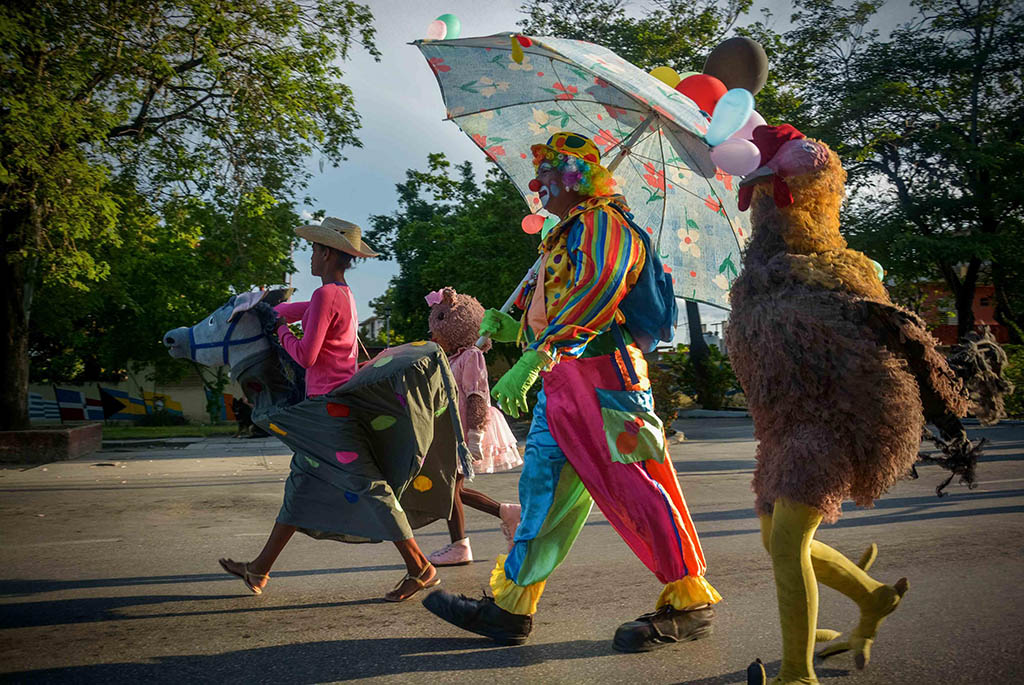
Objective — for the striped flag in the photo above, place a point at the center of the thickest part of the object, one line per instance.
(42, 409)
(93, 409)
(71, 403)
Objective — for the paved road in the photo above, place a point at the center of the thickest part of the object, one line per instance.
(108, 573)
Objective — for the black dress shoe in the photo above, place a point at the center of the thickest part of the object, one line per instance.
(665, 626)
(481, 616)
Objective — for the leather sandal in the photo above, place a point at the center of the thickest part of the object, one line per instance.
(246, 575)
(395, 596)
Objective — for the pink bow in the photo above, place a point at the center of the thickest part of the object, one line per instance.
(433, 298)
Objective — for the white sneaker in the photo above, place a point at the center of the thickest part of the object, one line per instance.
(457, 553)
(509, 514)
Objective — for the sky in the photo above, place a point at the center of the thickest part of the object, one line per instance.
(402, 122)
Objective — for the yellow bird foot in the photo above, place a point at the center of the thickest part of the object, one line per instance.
(757, 676)
(868, 558)
(825, 635)
(885, 600)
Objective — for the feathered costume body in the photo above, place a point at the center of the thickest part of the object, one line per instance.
(838, 378)
(839, 381)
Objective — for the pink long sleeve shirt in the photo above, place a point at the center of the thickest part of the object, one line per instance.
(327, 349)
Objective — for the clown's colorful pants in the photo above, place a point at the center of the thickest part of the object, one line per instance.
(594, 440)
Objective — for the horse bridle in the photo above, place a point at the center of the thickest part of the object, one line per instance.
(226, 343)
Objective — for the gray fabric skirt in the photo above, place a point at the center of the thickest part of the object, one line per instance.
(378, 456)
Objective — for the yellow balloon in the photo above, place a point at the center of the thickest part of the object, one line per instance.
(666, 75)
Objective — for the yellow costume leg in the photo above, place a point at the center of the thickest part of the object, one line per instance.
(793, 526)
(875, 600)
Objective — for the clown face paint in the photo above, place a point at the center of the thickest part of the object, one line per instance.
(548, 190)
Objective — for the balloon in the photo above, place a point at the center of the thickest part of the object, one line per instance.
(549, 223)
(879, 271)
(437, 30)
(532, 223)
(702, 89)
(747, 132)
(739, 63)
(736, 156)
(452, 24)
(687, 74)
(666, 75)
(731, 113)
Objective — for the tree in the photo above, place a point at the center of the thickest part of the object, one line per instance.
(929, 122)
(451, 231)
(164, 273)
(674, 33)
(107, 104)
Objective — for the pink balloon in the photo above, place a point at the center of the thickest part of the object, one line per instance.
(747, 131)
(533, 223)
(437, 30)
(736, 156)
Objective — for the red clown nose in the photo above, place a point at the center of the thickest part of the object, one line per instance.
(534, 185)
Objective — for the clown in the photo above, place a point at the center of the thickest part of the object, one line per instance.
(600, 296)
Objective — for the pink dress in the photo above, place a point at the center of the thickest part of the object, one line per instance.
(500, 448)
(327, 349)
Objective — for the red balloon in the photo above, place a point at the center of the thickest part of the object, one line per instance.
(705, 90)
(532, 223)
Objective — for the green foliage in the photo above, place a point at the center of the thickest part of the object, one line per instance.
(668, 399)
(214, 382)
(927, 120)
(720, 382)
(166, 273)
(673, 33)
(450, 230)
(134, 132)
(1014, 372)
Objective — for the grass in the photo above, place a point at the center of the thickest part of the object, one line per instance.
(157, 432)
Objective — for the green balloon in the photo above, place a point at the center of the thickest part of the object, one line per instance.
(549, 223)
(453, 24)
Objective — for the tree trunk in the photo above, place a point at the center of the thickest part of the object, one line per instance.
(1004, 308)
(16, 278)
(965, 299)
(698, 353)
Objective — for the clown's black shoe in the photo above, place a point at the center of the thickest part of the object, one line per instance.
(665, 626)
(481, 616)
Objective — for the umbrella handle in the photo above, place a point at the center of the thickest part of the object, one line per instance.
(482, 340)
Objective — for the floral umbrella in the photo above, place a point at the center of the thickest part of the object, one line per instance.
(508, 92)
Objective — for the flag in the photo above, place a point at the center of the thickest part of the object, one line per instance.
(71, 404)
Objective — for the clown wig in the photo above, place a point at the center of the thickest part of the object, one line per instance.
(584, 177)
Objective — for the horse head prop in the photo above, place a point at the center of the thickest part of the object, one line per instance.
(238, 335)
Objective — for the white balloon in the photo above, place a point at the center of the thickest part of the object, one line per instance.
(746, 132)
(736, 156)
(437, 30)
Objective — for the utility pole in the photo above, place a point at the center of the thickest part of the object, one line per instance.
(387, 326)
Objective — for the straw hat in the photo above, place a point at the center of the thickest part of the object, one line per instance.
(339, 234)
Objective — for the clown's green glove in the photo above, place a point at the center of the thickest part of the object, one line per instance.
(510, 391)
(499, 326)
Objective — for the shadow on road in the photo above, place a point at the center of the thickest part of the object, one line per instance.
(21, 586)
(317, 662)
(95, 609)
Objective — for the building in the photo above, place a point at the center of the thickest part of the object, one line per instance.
(938, 309)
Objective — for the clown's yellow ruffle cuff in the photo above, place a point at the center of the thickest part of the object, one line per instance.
(515, 599)
(688, 591)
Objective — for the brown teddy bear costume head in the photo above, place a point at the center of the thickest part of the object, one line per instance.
(455, 320)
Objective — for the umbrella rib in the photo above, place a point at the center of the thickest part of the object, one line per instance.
(529, 102)
(664, 200)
